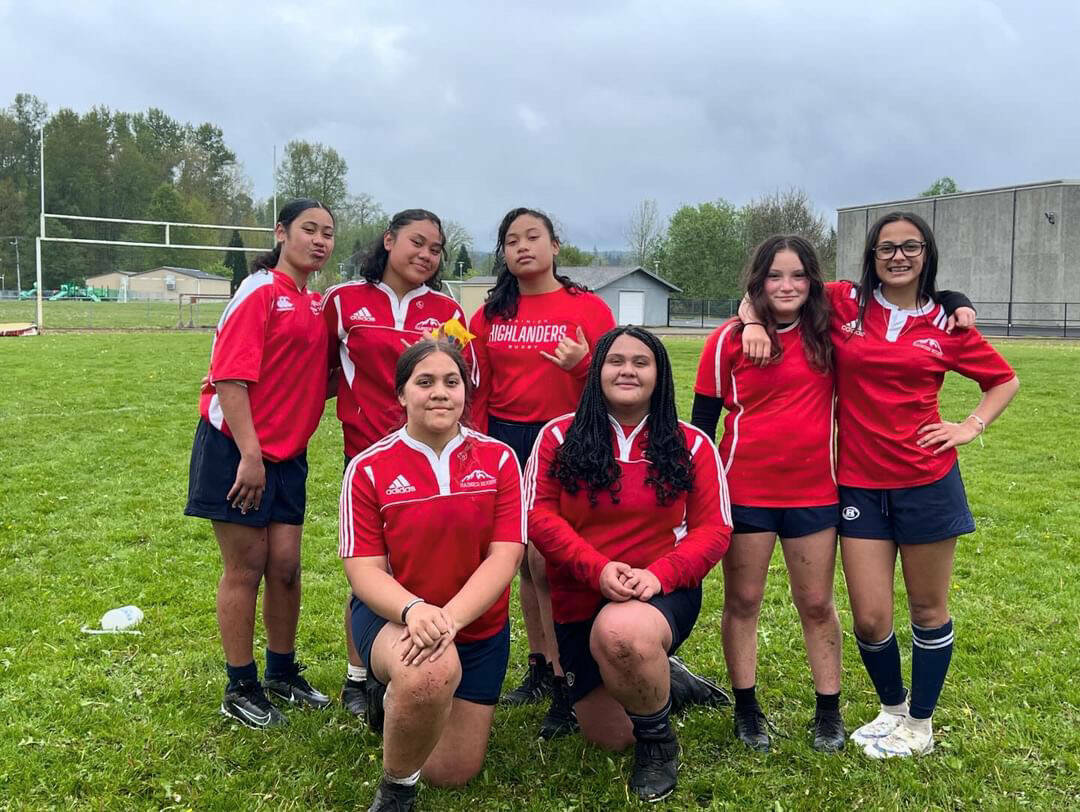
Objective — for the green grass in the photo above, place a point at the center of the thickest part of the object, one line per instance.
(96, 433)
(70, 313)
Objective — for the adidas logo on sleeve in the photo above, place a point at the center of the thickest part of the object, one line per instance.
(399, 486)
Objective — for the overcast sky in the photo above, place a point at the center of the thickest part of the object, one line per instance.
(586, 108)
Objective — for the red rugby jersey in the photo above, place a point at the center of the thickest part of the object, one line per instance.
(888, 374)
(679, 543)
(516, 382)
(434, 516)
(367, 324)
(777, 447)
(272, 336)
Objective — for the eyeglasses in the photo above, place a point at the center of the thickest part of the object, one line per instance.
(909, 248)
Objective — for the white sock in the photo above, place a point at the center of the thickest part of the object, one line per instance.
(919, 725)
(407, 781)
(357, 673)
(896, 710)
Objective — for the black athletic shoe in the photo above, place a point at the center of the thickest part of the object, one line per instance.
(688, 688)
(294, 689)
(656, 766)
(354, 696)
(829, 733)
(751, 728)
(391, 797)
(560, 720)
(535, 686)
(246, 702)
(375, 692)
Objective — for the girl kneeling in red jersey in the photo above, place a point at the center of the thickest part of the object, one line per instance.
(782, 481)
(533, 336)
(630, 509)
(264, 396)
(432, 531)
(370, 321)
(899, 481)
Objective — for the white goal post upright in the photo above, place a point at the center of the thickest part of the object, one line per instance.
(167, 225)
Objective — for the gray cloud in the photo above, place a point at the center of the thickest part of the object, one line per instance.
(585, 109)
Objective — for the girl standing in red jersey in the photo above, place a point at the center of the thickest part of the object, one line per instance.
(782, 481)
(432, 531)
(630, 509)
(533, 336)
(370, 322)
(266, 393)
(900, 487)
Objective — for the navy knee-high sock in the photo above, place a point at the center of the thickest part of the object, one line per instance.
(882, 661)
(931, 651)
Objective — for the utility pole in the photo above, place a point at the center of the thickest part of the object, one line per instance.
(18, 275)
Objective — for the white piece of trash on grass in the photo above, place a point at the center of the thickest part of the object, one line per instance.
(118, 621)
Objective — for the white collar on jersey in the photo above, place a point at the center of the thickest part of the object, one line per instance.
(440, 463)
(790, 327)
(625, 441)
(898, 316)
(401, 306)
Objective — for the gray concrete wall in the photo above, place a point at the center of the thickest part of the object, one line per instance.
(981, 254)
(656, 296)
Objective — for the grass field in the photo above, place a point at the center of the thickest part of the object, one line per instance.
(96, 431)
(67, 314)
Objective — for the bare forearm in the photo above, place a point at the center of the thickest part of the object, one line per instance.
(236, 406)
(995, 400)
(377, 589)
(486, 584)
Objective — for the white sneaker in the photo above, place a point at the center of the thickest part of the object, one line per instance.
(905, 741)
(882, 725)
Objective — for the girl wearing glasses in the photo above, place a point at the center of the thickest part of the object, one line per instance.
(899, 483)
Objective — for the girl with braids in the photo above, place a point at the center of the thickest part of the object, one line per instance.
(630, 508)
(260, 404)
(533, 336)
(370, 321)
(900, 488)
(778, 489)
(432, 531)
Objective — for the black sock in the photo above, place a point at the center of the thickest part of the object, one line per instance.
(280, 665)
(745, 698)
(655, 727)
(242, 673)
(828, 703)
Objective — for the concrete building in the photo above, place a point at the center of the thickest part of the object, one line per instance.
(635, 295)
(165, 283)
(1015, 251)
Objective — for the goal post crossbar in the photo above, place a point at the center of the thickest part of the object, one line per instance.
(130, 243)
(155, 222)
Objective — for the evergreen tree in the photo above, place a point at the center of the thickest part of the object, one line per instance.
(235, 260)
(463, 262)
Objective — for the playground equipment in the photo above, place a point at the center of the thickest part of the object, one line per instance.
(29, 294)
(73, 291)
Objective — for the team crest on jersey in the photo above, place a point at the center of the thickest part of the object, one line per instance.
(477, 479)
(284, 303)
(429, 325)
(363, 314)
(853, 327)
(399, 486)
(316, 307)
(930, 345)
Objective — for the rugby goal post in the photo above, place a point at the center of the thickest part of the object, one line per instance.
(166, 225)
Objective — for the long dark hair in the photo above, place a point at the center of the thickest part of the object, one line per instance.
(417, 352)
(289, 212)
(373, 265)
(502, 300)
(814, 314)
(868, 282)
(586, 457)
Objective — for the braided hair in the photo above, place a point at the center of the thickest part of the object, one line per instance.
(587, 458)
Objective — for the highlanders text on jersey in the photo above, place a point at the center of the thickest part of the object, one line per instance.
(367, 326)
(777, 448)
(434, 516)
(516, 382)
(679, 542)
(889, 370)
(271, 335)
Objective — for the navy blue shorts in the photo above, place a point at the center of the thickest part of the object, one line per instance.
(680, 608)
(519, 436)
(212, 472)
(919, 515)
(483, 662)
(787, 523)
